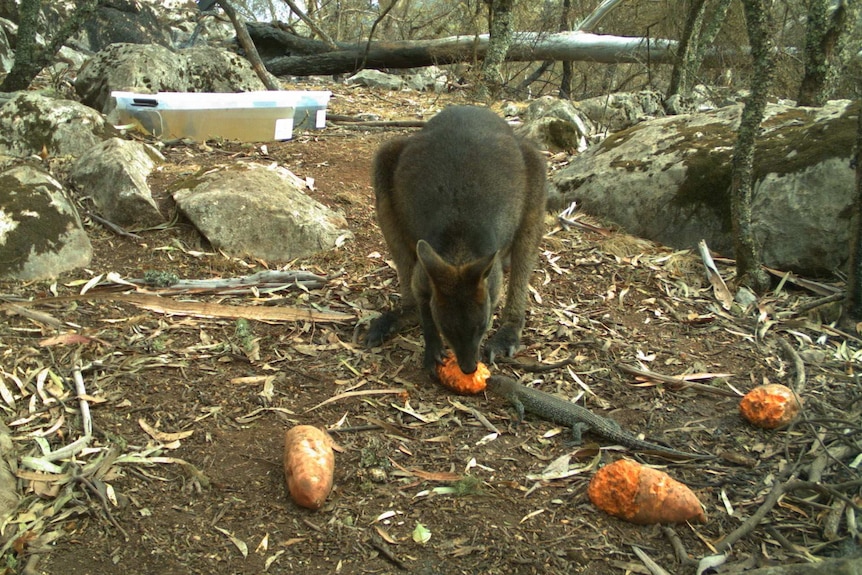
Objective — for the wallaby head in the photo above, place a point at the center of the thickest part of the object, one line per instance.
(463, 298)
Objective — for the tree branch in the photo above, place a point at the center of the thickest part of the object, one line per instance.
(249, 47)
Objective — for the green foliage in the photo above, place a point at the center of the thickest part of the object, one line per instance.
(244, 334)
(159, 278)
(468, 485)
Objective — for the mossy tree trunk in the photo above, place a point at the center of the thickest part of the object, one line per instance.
(568, 67)
(823, 36)
(685, 66)
(698, 34)
(30, 59)
(710, 30)
(748, 263)
(853, 302)
(499, 37)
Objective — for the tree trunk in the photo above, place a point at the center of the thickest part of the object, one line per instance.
(700, 31)
(748, 263)
(276, 40)
(568, 68)
(596, 16)
(821, 38)
(853, 303)
(533, 76)
(249, 47)
(710, 30)
(318, 31)
(566, 80)
(24, 69)
(29, 58)
(499, 39)
(686, 66)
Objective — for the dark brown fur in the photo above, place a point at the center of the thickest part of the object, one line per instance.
(460, 198)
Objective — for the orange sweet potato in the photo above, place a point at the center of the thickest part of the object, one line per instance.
(643, 495)
(769, 406)
(309, 465)
(452, 377)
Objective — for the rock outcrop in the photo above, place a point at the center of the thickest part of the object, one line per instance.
(668, 180)
(40, 232)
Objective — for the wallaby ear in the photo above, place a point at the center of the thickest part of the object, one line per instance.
(489, 264)
(435, 266)
(480, 269)
(476, 275)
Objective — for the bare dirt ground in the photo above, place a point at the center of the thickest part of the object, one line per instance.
(214, 501)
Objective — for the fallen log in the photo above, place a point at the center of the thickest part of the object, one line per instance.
(287, 54)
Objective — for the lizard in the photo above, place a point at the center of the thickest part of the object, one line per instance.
(562, 412)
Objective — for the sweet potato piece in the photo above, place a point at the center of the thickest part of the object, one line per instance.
(452, 377)
(769, 406)
(643, 495)
(309, 465)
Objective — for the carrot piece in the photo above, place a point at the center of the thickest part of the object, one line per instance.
(769, 406)
(452, 377)
(309, 465)
(643, 495)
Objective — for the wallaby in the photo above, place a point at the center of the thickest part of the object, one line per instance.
(461, 197)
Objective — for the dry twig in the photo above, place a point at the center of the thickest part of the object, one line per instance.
(778, 490)
(677, 383)
(798, 367)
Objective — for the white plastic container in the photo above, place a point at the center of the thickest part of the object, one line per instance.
(243, 116)
(310, 110)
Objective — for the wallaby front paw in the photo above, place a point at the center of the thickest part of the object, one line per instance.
(433, 358)
(505, 342)
(381, 329)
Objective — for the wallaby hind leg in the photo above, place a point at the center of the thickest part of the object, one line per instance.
(524, 252)
(391, 322)
(401, 248)
(404, 315)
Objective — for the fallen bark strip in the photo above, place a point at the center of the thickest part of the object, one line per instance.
(265, 281)
(206, 309)
(353, 121)
(36, 316)
(676, 382)
(359, 393)
(199, 309)
(45, 461)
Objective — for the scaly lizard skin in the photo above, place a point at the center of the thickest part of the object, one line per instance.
(563, 412)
